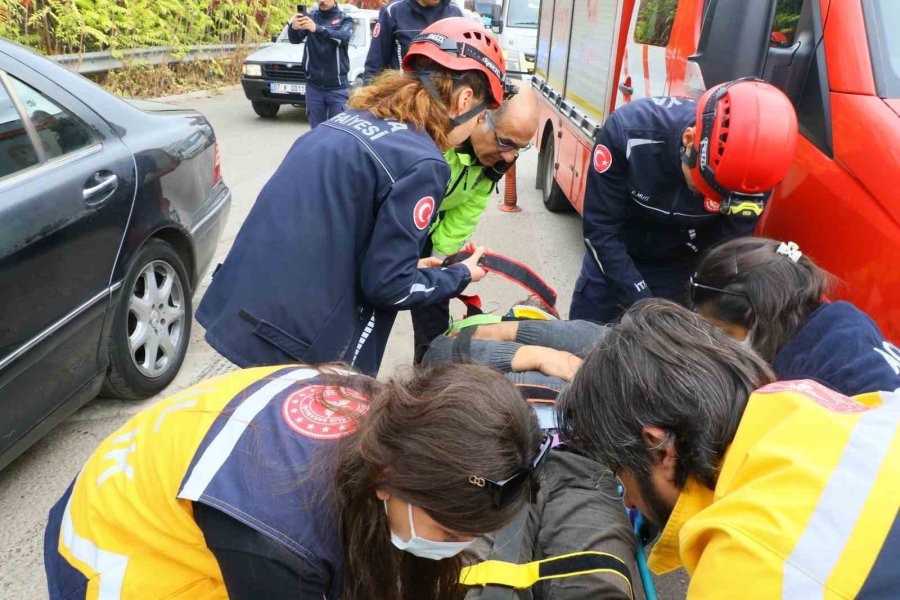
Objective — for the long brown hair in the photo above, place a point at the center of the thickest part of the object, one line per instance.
(771, 295)
(401, 96)
(420, 441)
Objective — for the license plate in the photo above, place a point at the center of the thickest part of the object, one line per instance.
(287, 88)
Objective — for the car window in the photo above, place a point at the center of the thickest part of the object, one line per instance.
(882, 22)
(16, 150)
(784, 26)
(59, 130)
(654, 22)
(359, 33)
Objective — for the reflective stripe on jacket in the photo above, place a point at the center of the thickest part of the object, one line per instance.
(637, 205)
(329, 251)
(806, 503)
(242, 444)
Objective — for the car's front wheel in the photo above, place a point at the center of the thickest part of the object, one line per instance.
(151, 326)
(266, 110)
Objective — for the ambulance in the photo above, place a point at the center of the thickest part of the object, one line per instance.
(838, 61)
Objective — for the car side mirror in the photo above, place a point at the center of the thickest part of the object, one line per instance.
(734, 39)
(497, 18)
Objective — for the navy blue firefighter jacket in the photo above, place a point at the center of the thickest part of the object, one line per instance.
(325, 55)
(328, 254)
(398, 23)
(841, 347)
(637, 205)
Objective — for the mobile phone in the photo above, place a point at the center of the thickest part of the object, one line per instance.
(301, 8)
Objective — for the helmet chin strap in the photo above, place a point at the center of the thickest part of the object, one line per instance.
(428, 81)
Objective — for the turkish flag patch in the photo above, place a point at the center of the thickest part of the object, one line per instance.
(602, 158)
(423, 211)
(324, 412)
(377, 30)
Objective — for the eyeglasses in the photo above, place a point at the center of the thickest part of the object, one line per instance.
(504, 145)
(697, 296)
(506, 490)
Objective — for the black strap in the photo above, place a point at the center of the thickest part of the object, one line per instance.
(540, 393)
(426, 77)
(516, 272)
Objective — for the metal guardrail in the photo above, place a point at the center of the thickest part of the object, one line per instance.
(96, 62)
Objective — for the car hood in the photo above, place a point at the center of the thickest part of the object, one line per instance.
(278, 52)
(155, 106)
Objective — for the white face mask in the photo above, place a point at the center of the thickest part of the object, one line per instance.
(425, 548)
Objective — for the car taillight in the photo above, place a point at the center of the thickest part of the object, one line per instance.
(217, 165)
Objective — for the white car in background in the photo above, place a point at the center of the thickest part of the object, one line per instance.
(275, 75)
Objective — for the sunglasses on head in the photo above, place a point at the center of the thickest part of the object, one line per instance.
(504, 145)
(506, 490)
(700, 293)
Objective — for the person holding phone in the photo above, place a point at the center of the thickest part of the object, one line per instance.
(475, 168)
(327, 32)
(332, 247)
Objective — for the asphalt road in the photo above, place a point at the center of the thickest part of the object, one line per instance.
(251, 149)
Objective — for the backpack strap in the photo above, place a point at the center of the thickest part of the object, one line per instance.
(517, 577)
(519, 273)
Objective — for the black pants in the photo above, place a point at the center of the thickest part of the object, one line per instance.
(429, 321)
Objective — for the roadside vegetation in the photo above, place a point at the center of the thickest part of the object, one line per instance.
(79, 26)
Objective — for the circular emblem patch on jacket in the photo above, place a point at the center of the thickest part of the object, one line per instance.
(602, 158)
(323, 412)
(377, 30)
(335, 21)
(423, 211)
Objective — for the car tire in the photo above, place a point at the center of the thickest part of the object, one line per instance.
(551, 193)
(266, 110)
(153, 315)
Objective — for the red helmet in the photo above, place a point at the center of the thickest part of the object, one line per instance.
(459, 44)
(744, 143)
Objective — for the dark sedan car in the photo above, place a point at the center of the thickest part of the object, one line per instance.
(110, 212)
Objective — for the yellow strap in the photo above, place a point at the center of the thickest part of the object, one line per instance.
(521, 576)
(501, 573)
(746, 209)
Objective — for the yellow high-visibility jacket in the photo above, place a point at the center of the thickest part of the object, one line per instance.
(806, 504)
(242, 444)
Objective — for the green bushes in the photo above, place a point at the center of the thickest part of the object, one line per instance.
(75, 26)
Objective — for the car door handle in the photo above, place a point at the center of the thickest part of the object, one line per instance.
(99, 184)
(626, 89)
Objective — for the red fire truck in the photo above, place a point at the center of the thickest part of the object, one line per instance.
(836, 60)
